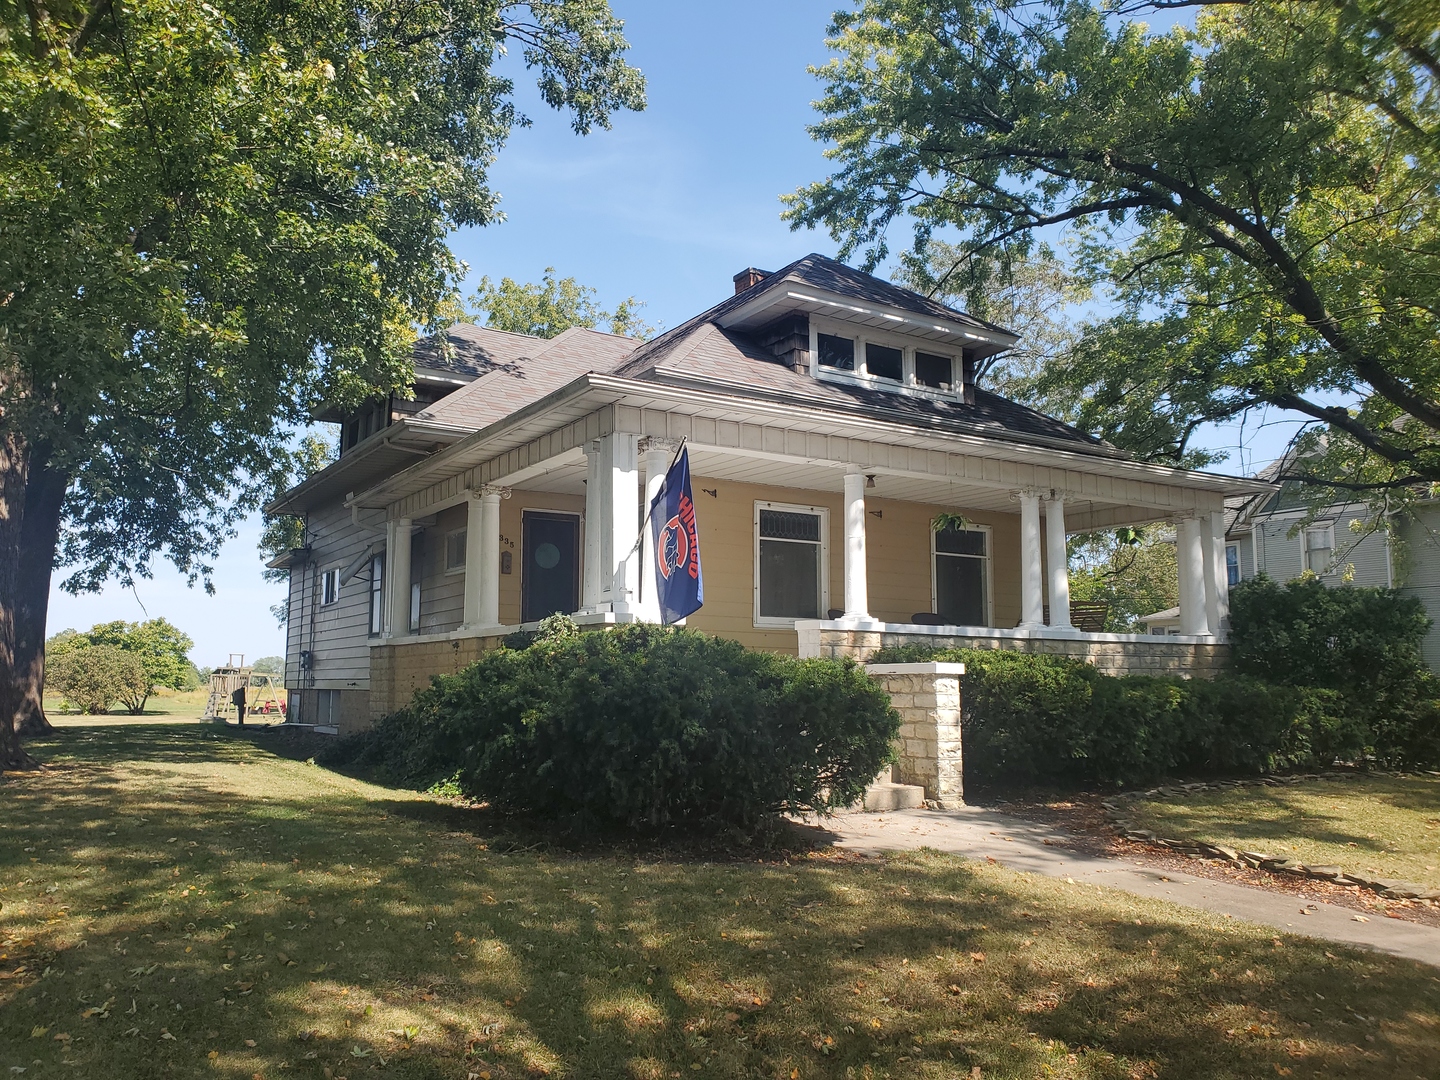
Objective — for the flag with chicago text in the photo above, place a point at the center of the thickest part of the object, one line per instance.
(679, 584)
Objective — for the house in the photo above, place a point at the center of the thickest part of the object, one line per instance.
(830, 416)
(1279, 533)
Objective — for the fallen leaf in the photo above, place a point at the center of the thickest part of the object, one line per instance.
(165, 1034)
(36, 1032)
(978, 957)
(249, 1042)
(214, 1055)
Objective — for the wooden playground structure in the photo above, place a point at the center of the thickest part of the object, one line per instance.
(263, 697)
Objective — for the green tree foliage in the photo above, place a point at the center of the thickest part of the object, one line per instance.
(215, 215)
(159, 647)
(1261, 190)
(269, 665)
(285, 532)
(1132, 571)
(553, 305)
(644, 727)
(1040, 298)
(93, 677)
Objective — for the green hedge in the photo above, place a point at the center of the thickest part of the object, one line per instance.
(1032, 718)
(642, 726)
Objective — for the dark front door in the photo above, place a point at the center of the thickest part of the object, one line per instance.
(550, 580)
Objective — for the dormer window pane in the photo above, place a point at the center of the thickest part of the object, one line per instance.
(934, 371)
(884, 362)
(837, 352)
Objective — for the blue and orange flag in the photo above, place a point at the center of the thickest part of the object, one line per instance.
(679, 584)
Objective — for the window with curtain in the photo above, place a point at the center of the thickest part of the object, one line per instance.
(790, 564)
(1232, 563)
(1319, 548)
(377, 595)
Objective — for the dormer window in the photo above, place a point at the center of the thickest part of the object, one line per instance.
(836, 353)
(884, 362)
(934, 370)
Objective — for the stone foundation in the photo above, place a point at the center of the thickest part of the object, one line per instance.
(397, 671)
(1113, 654)
(927, 697)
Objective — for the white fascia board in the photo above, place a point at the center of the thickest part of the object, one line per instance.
(842, 307)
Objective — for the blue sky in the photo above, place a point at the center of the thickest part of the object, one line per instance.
(666, 206)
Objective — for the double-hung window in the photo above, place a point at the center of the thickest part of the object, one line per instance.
(455, 551)
(377, 595)
(1319, 548)
(962, 576)
(1232, 564)
(790, 563)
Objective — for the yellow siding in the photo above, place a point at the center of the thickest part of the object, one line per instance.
(897, 549)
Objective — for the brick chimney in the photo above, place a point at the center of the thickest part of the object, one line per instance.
(748, 277)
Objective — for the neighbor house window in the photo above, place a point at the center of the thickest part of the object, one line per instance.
(329, 587)
(377, 595)
(934, 371)
(884, 362)
(962, 576)
(415, 605)
(455, 551)
(836, 352)
(1319, 548)
(790, 563)
(1232, 563)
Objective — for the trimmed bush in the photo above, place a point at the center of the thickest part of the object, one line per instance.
(644, 727)
(1033, 718)
(94, 677)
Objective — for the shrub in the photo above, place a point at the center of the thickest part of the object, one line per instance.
(95, 676)
(644, 727)
(1033, 718)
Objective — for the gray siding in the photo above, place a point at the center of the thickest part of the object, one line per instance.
(1418, 572)
(295, 622)
(1357, 560)
(337, 634)
(442, 595)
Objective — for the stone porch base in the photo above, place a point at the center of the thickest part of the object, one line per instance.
(1113, 654)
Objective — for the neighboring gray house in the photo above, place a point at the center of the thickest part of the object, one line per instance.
(1274, 534)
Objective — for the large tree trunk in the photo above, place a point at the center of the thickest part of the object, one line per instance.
(39, 535)
(14, 467)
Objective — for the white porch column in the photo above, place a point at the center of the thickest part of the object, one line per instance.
(397, 572)
(655, 455)
(1190, 562)
(1059, 563)
(857, 589)
(621, 482)
(590, 584)
(1032, 603)
(488, 565)
(474, 561)
(1217, 607)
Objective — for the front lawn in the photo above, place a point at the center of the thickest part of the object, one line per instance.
(177, 902)
(1388, 825)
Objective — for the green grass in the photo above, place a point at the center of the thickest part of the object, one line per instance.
(180, 903)
(1388, 825)
(185, 704)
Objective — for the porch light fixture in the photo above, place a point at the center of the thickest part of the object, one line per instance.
(869, 480)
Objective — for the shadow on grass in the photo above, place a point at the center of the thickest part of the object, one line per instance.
(204, 897)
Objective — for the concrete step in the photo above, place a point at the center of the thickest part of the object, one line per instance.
(885, 795)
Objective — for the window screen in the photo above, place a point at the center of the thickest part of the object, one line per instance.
(377, 595)
(455, 551)
(962, 568)
(837, 352)
(884, 362)
(934, 371)
(790, 565)
(1319, 547)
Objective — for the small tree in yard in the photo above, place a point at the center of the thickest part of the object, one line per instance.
(214, 217)
(93, 677)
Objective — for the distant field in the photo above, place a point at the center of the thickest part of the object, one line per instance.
(188, 704)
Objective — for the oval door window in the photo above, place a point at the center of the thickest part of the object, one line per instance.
(547, 556)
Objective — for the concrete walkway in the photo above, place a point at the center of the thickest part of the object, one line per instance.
(977, 833)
